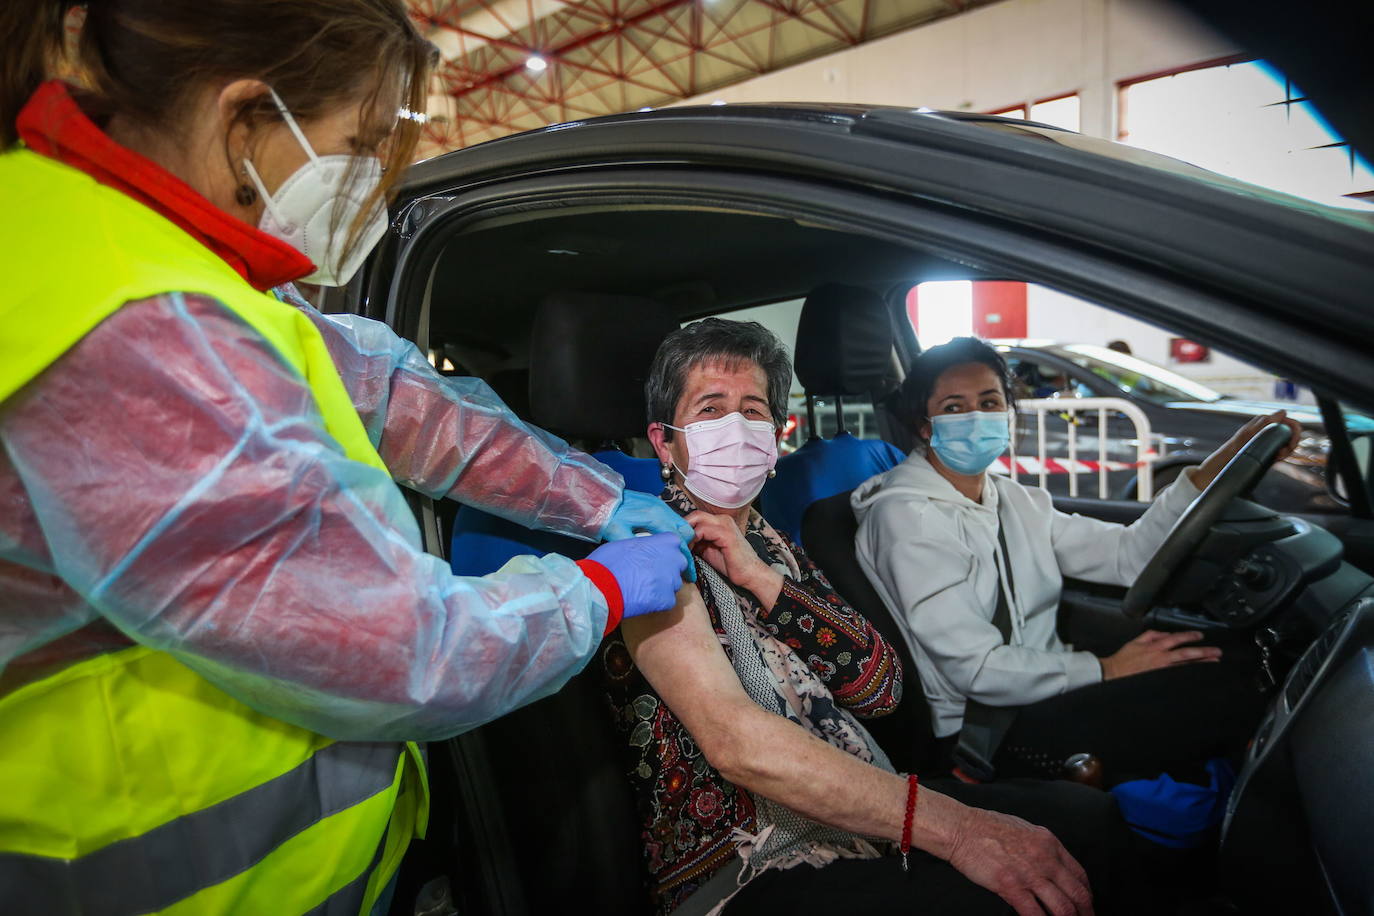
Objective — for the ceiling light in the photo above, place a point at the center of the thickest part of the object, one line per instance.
(536, 63)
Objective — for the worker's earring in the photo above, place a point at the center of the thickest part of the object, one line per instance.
(246, 194)
(666, 472)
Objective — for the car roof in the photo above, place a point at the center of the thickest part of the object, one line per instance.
(1028, 200)
(901, 124)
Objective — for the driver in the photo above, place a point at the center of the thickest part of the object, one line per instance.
(971, 567)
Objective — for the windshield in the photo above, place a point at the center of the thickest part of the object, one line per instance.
(1137, 377)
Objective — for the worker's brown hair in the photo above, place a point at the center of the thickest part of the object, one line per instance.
(147, 60)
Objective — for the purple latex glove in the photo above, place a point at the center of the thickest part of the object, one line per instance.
(648, 570)
(640, 513)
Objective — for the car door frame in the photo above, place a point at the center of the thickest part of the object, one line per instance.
(1271, 282)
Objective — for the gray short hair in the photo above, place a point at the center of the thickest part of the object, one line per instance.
(716, 340)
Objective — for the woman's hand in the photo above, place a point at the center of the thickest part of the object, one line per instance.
(722, 545)
(1023, 864)
(1156, 649)
(1210, 468)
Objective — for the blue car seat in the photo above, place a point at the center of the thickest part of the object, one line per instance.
(589, 357)
(844, 349)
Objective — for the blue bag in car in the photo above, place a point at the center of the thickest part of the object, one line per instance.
(1176, 814)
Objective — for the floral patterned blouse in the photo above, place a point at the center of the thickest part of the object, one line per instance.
(688, 810)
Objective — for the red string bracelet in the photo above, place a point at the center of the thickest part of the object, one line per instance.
(911, 783)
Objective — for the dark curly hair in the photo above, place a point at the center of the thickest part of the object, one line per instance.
(914, 397)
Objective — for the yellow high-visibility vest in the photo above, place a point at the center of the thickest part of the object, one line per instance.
(131, 783)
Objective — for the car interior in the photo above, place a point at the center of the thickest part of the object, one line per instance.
(532, 810)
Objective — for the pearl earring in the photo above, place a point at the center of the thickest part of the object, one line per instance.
(665, 472)
(772, 473)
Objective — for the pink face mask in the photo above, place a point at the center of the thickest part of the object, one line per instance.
(728, 459)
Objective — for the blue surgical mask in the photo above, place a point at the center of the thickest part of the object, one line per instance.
(968, 443)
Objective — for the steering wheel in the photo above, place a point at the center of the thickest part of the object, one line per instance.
(1240, 474)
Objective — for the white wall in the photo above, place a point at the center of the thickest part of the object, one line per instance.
(1000, 55)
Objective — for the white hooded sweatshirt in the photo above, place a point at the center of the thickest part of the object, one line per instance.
(931, 554)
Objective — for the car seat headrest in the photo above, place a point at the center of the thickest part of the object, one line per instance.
(589, 357)
(844, 342)
(513, 387)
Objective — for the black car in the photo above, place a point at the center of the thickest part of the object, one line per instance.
(715, 209)
(1188, 420)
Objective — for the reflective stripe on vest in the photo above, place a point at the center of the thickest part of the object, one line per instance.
(133, 784)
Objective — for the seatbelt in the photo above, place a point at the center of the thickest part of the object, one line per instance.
(985, 726)
(1001, 617)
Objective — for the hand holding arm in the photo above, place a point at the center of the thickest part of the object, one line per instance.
(647, 572)
(640, 513)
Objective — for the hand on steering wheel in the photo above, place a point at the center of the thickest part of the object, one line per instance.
(1213, 463)
(1239, 475)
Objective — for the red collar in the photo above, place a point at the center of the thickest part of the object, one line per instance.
(54, 125)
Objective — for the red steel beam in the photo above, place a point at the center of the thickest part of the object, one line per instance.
(655, 10)
(695, 41)
(566, 101)
(480, 81)
(697, 30)
(801, 17)
(658, 66)
(735, 39)
(828, 12)
(719, 22)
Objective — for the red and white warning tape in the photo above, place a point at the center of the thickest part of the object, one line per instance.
(1027, 465)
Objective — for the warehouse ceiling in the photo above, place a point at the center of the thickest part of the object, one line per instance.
(513, 65)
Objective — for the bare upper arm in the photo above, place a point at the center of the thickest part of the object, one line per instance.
(680, 654)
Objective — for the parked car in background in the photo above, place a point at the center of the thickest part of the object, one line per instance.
(1188, 420)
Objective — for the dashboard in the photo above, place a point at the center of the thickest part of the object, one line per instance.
(1300, 822)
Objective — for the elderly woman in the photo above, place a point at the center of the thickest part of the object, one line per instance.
(972, 565)
(741, 705)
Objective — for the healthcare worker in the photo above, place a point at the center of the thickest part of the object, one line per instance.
(217, 623)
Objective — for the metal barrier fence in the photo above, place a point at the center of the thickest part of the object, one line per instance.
(1071, 407)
